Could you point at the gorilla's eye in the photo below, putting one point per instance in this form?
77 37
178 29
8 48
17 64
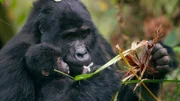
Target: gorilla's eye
84 35
70 35
86 31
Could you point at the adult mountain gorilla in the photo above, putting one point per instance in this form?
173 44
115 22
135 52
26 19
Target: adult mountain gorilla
68 26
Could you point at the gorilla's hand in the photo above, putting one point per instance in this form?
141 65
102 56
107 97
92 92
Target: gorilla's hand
161 59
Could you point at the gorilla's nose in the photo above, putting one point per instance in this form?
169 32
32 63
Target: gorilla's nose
82 55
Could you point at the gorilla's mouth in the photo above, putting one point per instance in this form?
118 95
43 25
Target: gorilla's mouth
76 60
75 66
75 69
73 61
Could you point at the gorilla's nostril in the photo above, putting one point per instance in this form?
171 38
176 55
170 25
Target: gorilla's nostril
81 55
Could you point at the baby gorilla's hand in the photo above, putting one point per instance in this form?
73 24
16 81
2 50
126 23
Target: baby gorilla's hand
62 66
43 58
161 59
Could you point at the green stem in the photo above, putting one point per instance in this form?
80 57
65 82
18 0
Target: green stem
63 74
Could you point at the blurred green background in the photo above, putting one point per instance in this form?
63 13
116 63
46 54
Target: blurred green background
119 21
129 19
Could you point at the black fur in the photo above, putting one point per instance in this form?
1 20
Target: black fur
67 25
54 23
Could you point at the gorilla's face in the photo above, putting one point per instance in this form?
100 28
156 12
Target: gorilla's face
67 24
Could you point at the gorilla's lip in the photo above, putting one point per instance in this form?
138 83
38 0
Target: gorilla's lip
76 63
77 66
72 61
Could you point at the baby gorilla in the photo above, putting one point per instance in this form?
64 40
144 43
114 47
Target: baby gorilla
41 60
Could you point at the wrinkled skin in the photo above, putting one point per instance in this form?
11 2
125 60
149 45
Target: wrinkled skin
161 59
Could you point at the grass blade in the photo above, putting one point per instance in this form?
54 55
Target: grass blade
63 74
112 61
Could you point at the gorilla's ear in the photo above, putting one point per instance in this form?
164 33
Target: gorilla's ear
41 30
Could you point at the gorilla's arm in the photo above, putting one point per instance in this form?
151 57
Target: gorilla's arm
15 83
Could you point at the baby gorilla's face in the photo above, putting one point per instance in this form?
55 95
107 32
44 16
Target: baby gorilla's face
59 65
42 59
62 66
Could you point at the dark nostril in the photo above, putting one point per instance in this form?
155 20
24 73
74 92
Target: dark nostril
81 55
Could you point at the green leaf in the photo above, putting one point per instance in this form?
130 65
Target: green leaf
171 39
1 1
176 49
115 96
83 76
63 74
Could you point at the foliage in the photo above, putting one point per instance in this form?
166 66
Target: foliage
15 12
1 1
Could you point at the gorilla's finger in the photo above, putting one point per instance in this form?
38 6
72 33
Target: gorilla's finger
160 53
164 69
163 61
156 48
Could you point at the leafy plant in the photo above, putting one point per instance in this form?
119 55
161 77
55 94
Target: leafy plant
1 1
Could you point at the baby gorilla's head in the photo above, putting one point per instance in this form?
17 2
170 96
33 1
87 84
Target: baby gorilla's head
42 59
59 65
